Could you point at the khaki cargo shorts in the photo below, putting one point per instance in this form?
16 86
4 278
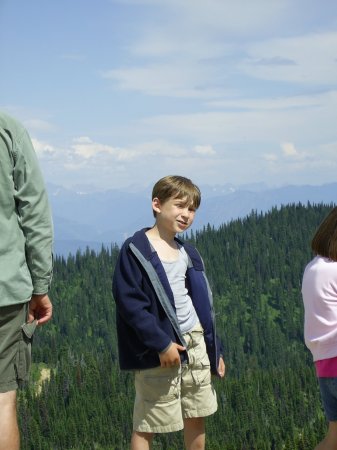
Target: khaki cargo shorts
167 396
15 346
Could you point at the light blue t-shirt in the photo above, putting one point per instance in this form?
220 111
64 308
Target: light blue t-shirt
176 274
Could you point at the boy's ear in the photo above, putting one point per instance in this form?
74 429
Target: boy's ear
156 205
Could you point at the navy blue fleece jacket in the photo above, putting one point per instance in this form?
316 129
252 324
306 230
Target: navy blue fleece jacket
145 311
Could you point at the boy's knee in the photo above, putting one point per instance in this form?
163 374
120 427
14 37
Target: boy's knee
195 423
141 440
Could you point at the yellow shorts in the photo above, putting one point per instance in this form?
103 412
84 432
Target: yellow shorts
167 396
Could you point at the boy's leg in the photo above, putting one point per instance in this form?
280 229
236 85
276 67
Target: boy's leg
194 433
197 393
141 441
9 433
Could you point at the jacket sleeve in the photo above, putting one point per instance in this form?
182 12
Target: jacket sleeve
33 213
133 305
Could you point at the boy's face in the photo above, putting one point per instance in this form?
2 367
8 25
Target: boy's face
175 214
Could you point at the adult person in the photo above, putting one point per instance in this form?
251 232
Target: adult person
25 266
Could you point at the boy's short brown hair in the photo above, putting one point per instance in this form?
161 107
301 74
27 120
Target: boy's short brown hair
324 243
176 186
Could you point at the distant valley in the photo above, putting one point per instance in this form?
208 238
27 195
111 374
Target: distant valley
90 219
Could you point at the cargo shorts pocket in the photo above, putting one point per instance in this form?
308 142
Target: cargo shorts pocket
24 354
159 387
200 370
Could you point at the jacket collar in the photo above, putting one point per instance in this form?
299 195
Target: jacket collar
140 240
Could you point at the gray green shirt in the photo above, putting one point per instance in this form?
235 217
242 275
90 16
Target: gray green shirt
26 231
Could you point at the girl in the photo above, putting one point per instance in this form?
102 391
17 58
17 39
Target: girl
319 291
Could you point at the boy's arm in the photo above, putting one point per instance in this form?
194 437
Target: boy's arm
133 304
221 367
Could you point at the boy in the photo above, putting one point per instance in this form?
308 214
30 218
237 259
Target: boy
165 321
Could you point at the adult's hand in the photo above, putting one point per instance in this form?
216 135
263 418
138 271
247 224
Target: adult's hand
40 309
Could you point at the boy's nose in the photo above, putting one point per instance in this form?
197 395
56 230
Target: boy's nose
186 213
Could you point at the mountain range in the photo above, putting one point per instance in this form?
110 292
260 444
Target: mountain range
87 218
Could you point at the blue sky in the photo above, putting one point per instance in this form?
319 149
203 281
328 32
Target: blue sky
121 92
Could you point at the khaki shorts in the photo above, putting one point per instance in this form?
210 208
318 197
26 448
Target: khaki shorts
15 346
167 396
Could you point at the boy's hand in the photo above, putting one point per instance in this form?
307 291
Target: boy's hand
171 357
221 368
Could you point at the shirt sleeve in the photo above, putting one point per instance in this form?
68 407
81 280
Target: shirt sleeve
34 213
134 306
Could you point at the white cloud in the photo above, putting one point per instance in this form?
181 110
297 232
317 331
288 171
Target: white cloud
86 148
187 79
204 150
305 120
205 67
303 166
206 44
160 148
83 140
329 149
288 149
272 157
76 167
311 59
239 17
148 161
192 55
43 149
39 125
240 91
273 103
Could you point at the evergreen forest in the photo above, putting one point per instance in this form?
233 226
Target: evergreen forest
78 398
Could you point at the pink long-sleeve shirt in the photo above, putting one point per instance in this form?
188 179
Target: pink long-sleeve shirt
319 292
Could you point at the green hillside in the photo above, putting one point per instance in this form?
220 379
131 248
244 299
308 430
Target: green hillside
269 398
